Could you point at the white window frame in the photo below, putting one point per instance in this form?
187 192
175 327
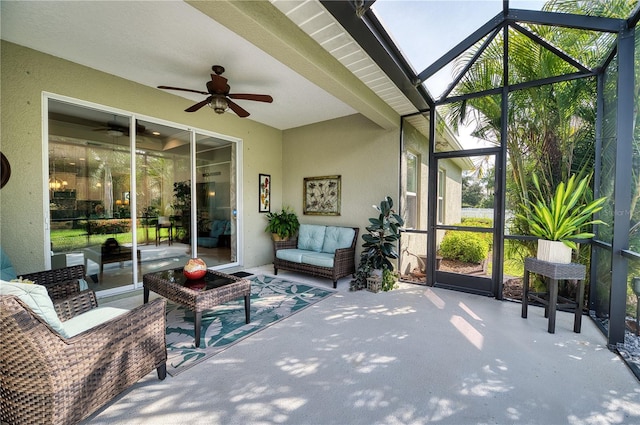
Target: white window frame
442 192
414 195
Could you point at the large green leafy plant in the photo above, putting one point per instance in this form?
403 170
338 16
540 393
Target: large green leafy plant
284 223
565 215
379 246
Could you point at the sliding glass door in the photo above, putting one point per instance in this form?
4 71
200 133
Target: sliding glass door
128 196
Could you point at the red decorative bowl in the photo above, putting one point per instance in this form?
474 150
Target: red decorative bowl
195 269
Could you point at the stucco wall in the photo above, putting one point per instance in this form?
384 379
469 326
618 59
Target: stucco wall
366 156
26 74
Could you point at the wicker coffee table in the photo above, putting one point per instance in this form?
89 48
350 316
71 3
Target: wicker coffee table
197 295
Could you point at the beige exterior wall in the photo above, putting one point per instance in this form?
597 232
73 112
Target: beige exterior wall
365 155
453 192
413 246
26 74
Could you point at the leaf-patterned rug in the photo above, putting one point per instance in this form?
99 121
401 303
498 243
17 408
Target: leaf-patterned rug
272 299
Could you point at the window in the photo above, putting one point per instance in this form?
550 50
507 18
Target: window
411 211
442 181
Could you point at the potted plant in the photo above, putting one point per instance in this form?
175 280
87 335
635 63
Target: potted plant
282 225
379 248
561 218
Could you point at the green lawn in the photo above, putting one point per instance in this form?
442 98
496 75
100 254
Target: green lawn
67 240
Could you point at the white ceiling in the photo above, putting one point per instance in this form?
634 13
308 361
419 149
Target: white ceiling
170 43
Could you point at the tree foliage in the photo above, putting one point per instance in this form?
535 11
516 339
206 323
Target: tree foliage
551 128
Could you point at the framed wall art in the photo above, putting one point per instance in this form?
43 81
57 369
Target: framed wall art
264 193
321 195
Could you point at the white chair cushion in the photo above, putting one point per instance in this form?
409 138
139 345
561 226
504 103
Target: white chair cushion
94 317
38 300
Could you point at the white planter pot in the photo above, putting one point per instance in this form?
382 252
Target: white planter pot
553 252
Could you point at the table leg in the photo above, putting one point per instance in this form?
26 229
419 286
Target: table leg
196 323
577 321
547 283
525 294
145 295
247 308
553 299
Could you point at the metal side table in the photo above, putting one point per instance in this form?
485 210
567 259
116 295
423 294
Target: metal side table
553 272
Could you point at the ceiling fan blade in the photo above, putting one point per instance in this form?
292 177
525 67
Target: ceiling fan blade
198 105
237 109
178 88
256 97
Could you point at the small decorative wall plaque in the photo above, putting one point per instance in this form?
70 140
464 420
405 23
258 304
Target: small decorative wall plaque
264 193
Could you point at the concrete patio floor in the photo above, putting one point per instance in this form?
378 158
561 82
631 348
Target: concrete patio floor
415 355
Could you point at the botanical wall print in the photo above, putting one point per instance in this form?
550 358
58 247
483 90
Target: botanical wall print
264 203
322 195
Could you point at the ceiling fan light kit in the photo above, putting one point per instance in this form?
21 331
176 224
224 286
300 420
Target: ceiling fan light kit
218 96
219 104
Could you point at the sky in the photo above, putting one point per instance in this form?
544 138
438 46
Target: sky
427 29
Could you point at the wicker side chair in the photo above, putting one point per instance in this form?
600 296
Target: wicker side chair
46 378
60 283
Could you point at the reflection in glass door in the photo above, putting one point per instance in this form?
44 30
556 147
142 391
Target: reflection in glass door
90 218
215 200
163 196
119 234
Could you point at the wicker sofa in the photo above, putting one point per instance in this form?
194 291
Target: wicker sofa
47 378
324 251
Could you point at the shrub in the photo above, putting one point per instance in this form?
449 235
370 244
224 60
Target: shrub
477 222
468 247
480 222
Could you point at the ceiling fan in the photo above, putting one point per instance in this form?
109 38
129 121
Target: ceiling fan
116 129
218 96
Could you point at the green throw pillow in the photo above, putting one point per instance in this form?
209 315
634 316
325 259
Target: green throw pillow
37 298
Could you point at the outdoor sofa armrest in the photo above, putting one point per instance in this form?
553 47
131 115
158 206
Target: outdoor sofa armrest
75 304
344 254
343 261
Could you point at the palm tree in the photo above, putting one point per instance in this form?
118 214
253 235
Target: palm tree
551 127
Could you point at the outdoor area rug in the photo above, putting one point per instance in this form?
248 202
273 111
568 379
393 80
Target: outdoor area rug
272 299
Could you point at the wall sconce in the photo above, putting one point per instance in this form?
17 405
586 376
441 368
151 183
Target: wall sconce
118 202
